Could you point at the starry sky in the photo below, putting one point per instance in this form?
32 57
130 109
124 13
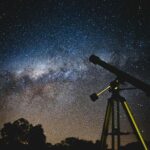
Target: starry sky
45 73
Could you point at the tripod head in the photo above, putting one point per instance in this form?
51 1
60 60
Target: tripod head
114 87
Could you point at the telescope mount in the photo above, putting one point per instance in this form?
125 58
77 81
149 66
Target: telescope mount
115 101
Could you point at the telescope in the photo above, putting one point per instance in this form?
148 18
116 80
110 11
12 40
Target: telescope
121 75
113 105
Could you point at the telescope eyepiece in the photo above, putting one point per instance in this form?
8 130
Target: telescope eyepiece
94 97
94 59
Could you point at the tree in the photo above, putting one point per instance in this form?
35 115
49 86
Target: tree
22 135
15 132
36 136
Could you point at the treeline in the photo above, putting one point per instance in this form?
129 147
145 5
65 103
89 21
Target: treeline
21 135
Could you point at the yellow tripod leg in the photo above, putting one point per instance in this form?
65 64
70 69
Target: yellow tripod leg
129 113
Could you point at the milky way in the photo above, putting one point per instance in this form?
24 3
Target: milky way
45 73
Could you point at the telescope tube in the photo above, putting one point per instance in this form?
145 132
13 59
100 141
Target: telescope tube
121 76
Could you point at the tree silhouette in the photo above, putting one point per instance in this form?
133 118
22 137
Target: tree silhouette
36 137
23 129
21 135
75 143
16 132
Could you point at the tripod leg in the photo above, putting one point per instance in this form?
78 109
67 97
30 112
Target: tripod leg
113 125
118 124
133 123
106 125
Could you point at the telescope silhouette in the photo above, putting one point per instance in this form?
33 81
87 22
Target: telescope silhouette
113 106
121 76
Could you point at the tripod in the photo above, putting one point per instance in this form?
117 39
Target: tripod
114 115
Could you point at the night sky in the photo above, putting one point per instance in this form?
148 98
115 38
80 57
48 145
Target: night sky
45 73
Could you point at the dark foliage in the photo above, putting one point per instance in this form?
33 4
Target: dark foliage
21 135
